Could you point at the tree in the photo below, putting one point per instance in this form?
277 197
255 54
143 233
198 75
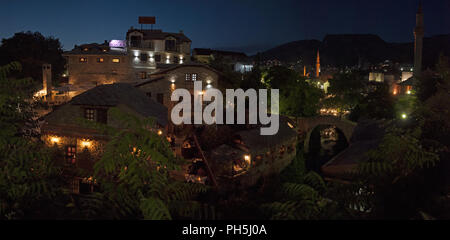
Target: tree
346 90
134 174
298 98
394 175
32 50
29 181
229 78
377 104
252 79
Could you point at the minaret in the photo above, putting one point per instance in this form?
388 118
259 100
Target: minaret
304 71
318 64
418 41
47 78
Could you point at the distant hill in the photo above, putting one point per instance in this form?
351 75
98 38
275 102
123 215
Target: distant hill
351 49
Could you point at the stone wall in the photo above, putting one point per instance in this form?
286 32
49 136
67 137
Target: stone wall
92 73
176 78
271 162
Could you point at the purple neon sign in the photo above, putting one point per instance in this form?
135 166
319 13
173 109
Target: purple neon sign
117 44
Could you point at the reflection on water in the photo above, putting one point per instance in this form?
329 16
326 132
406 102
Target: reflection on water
325 143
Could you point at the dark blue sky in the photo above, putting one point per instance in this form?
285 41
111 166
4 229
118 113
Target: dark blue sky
247 25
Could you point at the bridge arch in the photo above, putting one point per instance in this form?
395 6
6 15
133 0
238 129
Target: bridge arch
307 125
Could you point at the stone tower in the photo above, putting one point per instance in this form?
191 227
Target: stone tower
47 78
318 64
418 41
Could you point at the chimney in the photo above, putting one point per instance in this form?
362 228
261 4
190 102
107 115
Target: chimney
47 78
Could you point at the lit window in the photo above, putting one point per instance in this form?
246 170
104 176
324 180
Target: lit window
83 59
70 154
188 77
89 114
100 60
194 77
142 75
116 60
85 49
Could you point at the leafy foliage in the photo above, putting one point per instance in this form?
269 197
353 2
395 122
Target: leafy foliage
28 178
346 91
32 50
298 98
377 104
134 173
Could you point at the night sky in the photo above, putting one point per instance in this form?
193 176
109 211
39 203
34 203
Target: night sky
246 25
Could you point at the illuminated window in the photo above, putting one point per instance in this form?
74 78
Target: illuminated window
85 49
100 60
191 76
116 60
83 59
89 114
142 75
70 154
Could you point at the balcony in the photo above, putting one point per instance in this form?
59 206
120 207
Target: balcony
142 45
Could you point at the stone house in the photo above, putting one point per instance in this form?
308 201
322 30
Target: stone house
83 145
150 50
161 84
251 156
95 64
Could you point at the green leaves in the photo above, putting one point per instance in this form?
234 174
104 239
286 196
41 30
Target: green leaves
134 172
28 176
154 209
398 155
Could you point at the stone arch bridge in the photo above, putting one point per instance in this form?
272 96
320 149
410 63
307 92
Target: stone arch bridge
305 126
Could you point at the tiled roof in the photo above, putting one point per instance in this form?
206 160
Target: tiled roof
158 34
175 66
123 93
94 49
367 136
253 139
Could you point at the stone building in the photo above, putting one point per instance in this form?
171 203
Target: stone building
252 156
142 53
150 50
159 86
83 145
94 64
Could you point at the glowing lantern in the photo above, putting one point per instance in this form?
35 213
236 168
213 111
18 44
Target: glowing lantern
55 139
247 158
404 116
160 132
85 143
